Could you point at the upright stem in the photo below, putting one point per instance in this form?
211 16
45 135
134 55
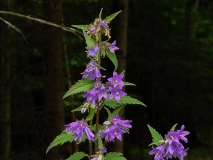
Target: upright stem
90 143
96 129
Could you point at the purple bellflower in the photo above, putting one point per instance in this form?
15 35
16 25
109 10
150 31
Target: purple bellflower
92 72
115 128
78 129
97 93
92 51
104 24
172 147
112 47
116 93
116 80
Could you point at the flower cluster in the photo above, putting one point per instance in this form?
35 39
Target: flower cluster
115 127
112 89
171 146
78 129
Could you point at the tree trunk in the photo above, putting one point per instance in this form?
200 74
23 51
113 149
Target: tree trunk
5 86
54 74
121 39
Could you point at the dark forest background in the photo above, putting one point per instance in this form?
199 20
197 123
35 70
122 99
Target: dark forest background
169 57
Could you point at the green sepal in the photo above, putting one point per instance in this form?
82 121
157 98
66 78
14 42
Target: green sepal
78 156
129 84
114 156
83 27
89 41
156 137
82 85
100 143
77 109
173 127
112 57
60 139
111 17
100 14
91 114
123 100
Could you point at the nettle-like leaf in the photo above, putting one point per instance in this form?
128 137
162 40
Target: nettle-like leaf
83 27
117 110
100 143
100 127
114 156
108 111
156 137
82 85
91 115
60 139
173 127
89 41
112 57
124 100
77 109
111 17
78 156
129 84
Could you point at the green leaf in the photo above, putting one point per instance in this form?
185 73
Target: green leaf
129 84
77 156
156 137
173 127
83 27
112 57
100 14
93 128
114 156
60 139
91 114
111 17
89 41
108 111
117 110
77 109
124 100
82 85
100 143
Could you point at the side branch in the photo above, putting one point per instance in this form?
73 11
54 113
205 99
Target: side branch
69 29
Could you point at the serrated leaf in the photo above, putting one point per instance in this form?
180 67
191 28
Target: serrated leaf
114 156
82 85
156 137
91 115
117 110
173 127
100 14
83 27
123 100
77 109
100 127
112 57
108 111
60 139
129 84
111 17
100 143
89 41
77 156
